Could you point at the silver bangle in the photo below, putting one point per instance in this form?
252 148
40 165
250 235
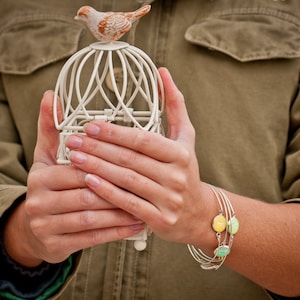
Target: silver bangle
226 225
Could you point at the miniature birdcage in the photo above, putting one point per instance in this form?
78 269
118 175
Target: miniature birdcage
89 88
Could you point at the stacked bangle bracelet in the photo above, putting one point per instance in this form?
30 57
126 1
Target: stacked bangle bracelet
226 225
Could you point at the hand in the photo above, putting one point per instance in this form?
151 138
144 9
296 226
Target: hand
150 176
60 215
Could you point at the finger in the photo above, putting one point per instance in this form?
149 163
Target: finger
74 242
125 178
87 220
179 125
148 143
57 178
123 199
127 158
48 136
71 201
164 213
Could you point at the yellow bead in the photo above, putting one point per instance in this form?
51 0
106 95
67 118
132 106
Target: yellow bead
219 223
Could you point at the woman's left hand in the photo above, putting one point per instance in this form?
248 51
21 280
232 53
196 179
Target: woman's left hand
152 177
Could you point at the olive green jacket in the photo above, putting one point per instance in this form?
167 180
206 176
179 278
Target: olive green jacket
237 64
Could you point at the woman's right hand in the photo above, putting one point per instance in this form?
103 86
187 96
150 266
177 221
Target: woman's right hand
60 214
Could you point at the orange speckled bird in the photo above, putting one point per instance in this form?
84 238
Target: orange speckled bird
109 26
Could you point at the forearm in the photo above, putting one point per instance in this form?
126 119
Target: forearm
266 247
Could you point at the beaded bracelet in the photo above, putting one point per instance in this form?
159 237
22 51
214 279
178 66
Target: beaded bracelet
224 224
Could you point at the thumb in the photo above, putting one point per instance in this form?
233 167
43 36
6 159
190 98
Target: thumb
179 124
48 136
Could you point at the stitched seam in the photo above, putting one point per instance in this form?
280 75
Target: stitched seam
119 271
260 55
260 11
86 291
35 18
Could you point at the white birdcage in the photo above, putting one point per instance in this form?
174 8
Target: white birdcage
120 98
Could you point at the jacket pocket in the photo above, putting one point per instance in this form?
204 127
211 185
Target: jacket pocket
32 42
249 34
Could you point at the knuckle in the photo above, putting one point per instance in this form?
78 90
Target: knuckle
96 237
129 178
39 228
178 181
120 232
36 227
109 193
109 132
131 204
184 157
31 206
175 201
170 219
127 157
95 165
121 216
79 176
86 197
37 178
52 246
86 219
91 145
142 139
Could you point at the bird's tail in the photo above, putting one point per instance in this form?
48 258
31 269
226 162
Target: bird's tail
141 12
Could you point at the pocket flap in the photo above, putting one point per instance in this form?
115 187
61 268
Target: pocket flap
33 42
249 34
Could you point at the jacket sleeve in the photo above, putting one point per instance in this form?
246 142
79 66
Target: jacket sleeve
13 173
17 133
15 280
291 175
29 283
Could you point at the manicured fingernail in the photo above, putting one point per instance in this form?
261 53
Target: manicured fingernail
77 157
74 142
137 227
92 180
48 92
92 129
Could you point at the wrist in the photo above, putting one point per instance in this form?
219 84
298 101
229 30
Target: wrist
204 237
15 239
225 225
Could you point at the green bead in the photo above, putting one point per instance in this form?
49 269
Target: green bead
222 251
233 225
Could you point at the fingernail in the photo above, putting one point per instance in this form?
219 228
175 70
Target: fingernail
137 227
47 92
77 157
92 129
92 180
74 142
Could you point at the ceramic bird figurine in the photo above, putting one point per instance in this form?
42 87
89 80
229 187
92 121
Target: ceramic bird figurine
109 26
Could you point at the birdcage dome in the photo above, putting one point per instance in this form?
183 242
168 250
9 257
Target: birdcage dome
88 89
